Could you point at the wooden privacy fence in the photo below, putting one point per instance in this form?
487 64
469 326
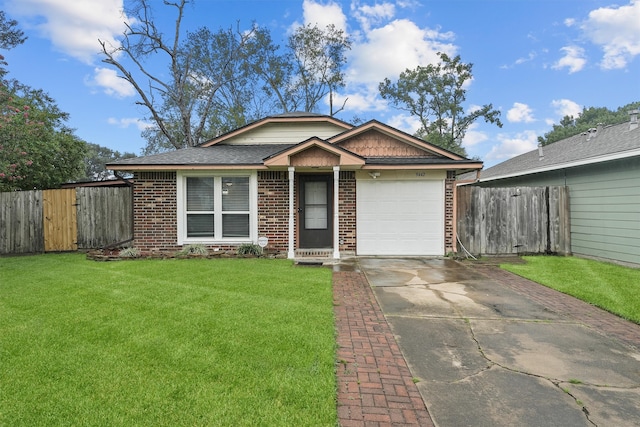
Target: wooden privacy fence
65 219
517 220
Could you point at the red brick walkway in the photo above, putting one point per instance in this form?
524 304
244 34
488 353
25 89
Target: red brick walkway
375 386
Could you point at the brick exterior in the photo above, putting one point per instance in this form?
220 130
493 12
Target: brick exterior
273 209
154 212
347 211
449 216
155 221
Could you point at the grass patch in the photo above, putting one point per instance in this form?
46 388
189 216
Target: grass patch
226 342
609 286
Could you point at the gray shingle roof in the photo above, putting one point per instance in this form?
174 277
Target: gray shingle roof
216 155
615 141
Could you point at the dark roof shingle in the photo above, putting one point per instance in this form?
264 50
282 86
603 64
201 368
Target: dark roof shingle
611 141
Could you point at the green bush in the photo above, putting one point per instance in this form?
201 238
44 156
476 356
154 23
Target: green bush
129 253
195 249
249 249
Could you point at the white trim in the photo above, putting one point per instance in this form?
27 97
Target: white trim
336 213
583 162
291 252
181 197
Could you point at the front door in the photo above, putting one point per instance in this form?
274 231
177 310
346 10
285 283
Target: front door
315 211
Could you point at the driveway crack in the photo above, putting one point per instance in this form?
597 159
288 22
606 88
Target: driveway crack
556 382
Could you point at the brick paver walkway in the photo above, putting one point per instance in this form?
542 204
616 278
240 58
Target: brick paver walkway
375 386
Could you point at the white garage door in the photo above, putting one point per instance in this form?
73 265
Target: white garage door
400 217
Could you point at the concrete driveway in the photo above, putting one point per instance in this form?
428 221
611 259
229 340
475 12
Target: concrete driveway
487 355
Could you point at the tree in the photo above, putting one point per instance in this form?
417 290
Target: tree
589 118
10 37
435 94
37 149
180 104
219 81
96 158
319 57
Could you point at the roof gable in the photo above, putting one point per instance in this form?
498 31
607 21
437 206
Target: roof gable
282 129
314 152
375 139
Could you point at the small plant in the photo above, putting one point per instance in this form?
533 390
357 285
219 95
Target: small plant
129 253
195 249
574 381
415 380
249 249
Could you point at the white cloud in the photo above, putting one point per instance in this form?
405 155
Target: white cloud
74 27
362 99
368 15
394 47
617 31
566 107
108 80
511 146
520 113
573 59
125 123
316 13
404 122
473 136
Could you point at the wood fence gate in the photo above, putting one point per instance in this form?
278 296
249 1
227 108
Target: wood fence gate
60 223
65 219
517 220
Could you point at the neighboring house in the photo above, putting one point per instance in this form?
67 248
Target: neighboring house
601 168
311 184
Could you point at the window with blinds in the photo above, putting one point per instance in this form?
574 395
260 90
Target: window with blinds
235 206
217 207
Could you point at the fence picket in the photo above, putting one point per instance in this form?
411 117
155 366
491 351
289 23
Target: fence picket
103 216
515 220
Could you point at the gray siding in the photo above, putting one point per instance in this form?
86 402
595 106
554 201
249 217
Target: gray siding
605 206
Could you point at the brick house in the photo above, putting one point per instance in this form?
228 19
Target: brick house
312 185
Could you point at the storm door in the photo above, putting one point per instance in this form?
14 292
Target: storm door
315 211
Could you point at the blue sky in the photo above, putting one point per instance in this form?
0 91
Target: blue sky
534 60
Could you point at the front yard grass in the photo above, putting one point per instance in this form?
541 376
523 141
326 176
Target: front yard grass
225 342
609 286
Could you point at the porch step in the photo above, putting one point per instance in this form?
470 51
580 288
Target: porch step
314 253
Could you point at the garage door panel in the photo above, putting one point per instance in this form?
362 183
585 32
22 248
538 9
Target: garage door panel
400 217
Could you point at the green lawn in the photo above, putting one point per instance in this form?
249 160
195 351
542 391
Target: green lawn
608 286
190 342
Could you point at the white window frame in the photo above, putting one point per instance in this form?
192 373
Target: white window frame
181 206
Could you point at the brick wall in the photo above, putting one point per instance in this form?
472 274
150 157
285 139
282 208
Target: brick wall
155 222
154 212
449 238
273 209
347 211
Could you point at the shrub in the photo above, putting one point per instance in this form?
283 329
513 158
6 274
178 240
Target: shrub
196 249
129 253
249 249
